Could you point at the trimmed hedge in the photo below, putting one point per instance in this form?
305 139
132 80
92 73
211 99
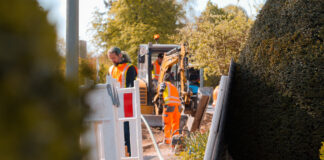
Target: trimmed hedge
39 114
277 102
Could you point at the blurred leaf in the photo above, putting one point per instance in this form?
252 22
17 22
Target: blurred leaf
41 114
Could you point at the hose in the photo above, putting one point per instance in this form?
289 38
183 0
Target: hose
152 137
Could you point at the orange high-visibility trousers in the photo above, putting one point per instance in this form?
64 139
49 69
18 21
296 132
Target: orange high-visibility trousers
171 118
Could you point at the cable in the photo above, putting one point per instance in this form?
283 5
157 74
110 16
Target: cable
152 137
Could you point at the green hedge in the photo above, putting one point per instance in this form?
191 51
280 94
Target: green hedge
39 115
277 102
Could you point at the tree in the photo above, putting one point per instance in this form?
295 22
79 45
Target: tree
129 23
217 36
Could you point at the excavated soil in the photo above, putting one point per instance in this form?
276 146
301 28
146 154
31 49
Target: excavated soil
149 152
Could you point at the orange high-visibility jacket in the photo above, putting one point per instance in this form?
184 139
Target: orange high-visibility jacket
119 73
156 70
215 94
171 95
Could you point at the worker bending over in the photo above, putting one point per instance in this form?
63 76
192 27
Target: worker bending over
171 108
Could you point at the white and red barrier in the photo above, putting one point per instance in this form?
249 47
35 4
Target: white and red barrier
110 107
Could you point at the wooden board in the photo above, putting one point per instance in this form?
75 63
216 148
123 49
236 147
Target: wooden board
202 105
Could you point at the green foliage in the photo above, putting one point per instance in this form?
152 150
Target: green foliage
86 71
195 146
216 38
133 22
276 109
39 117
103 73
212 80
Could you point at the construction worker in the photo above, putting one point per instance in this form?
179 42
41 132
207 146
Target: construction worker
125 73
215 94
171 108
156 67
122 70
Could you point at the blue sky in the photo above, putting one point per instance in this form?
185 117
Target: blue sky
57 12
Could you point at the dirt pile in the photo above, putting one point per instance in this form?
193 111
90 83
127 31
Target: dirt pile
148 148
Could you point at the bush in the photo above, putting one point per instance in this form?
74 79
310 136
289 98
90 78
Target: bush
39 115
86 71
276 109
195 146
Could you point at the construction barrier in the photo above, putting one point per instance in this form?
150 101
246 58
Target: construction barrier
215 143
111 106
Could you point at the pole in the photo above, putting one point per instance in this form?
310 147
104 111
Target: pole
201 74
149 66
72 39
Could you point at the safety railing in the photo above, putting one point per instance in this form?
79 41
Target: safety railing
110 107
